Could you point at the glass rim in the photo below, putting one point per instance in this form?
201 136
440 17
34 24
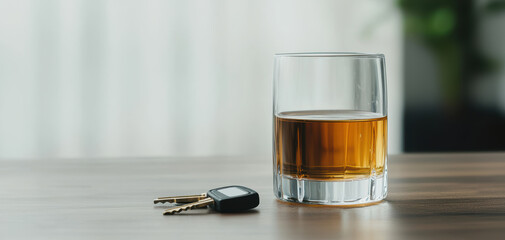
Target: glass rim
331 54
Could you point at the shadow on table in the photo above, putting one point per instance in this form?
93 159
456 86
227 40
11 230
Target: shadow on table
204 211
297 221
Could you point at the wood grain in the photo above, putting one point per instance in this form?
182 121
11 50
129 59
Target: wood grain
436 196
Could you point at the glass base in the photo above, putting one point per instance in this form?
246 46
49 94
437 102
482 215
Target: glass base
339 193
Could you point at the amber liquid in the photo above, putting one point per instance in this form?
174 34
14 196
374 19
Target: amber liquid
330 145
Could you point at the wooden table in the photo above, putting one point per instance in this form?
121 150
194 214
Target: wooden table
453 196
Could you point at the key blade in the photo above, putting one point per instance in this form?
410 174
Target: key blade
180 199
202 203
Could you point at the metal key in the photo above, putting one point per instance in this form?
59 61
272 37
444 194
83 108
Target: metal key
224 199
180 199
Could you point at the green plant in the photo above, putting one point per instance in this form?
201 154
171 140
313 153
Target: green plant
448 29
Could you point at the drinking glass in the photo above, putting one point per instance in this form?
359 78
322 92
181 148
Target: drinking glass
330 128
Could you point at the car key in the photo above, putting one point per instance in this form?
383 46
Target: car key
180 199
224 199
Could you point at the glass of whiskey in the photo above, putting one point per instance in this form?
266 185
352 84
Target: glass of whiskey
330 128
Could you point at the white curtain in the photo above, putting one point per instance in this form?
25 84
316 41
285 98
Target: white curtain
107 78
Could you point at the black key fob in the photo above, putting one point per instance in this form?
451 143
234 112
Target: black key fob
233 198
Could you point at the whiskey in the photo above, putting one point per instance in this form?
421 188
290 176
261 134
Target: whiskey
330 145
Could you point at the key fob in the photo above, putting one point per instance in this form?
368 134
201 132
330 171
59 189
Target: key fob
233 198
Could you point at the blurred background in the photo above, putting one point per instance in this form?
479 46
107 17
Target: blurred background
454 75
129 78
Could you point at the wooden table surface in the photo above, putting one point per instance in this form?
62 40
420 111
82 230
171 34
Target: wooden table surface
434 196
